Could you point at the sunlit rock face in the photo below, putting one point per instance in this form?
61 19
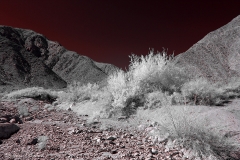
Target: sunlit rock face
28 59
217 55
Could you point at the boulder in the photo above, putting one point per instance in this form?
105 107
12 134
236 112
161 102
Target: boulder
7 129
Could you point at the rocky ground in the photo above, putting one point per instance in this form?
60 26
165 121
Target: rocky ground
39 131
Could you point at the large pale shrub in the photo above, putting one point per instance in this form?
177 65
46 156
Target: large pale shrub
153 72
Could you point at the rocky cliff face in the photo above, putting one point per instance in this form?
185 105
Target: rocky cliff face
28 58
217 55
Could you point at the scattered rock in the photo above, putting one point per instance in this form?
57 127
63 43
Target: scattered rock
7 129
73 130
28 118
13 120
18 141
111 138
154 151
114 151
122 118
55 103
33 141
3 120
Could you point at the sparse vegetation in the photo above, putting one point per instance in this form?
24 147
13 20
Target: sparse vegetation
153 89
42 141
34 92
23 111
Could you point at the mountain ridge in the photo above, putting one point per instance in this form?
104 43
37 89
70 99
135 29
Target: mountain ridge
216 56
34 60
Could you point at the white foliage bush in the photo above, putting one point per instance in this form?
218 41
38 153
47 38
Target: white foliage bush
153 72
77 92
42 141
200 91
157 99
125 84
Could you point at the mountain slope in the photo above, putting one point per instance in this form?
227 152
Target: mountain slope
28 58
217 55
19 67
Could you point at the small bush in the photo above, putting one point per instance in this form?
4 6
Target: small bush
23 111
170 79
34 92
77 92
202 92
157 99
42 141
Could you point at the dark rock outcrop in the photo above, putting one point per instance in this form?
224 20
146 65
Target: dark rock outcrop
28 59
7 129
216 56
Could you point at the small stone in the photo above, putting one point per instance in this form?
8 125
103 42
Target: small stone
114 151
98 140
122 146
141 147
7 129
166 149
28 118
3 120
139 143
55 103
136 154
13 120
111 138
122 117
18 141
154 151
33 142
141 127
149 155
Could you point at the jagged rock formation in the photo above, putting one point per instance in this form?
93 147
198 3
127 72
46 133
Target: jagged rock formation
20 66
216 56
28 58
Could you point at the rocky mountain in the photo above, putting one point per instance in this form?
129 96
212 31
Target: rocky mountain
216 56
28 58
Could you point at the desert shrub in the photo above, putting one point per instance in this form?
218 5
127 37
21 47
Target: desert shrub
157 99
42 141
202 92
175 125
119 88
170 79
233 85
23 111
154 72
78 92
34 92
131 105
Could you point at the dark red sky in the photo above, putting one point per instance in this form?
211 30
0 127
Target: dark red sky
110 30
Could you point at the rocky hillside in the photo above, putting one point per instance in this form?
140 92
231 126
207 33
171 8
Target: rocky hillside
28 58
217 55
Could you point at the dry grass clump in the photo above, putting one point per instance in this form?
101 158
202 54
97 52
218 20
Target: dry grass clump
77 92
34 92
